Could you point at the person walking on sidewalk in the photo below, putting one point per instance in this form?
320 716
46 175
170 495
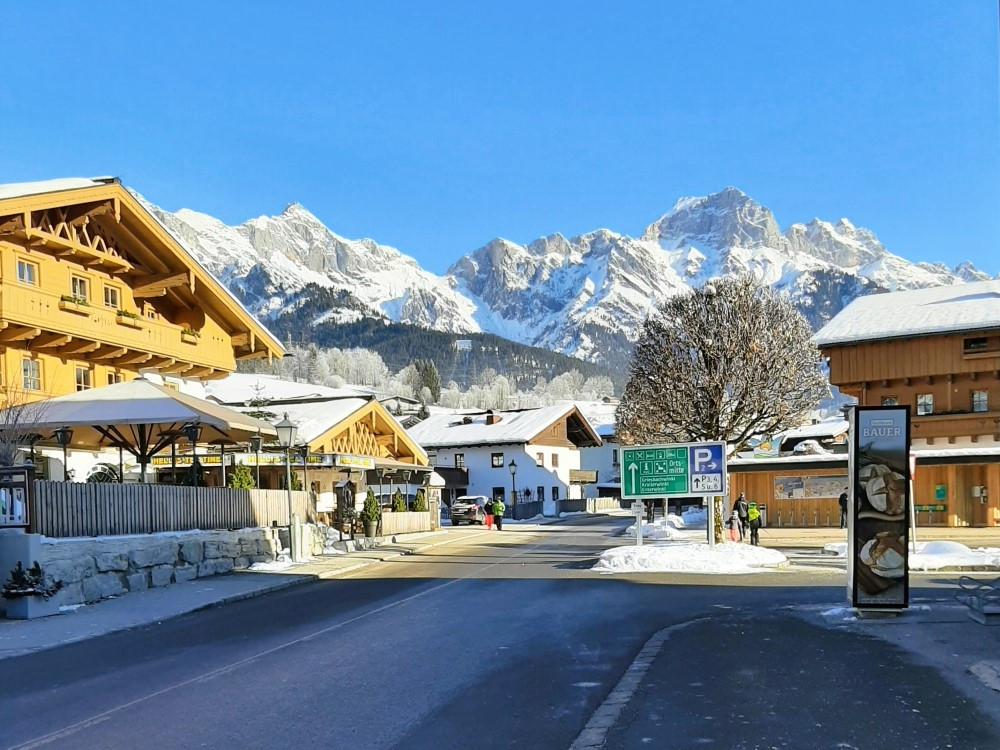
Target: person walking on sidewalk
488 514
498 510
842 501
740 509
753 514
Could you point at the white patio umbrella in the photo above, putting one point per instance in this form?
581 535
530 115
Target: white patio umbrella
139 416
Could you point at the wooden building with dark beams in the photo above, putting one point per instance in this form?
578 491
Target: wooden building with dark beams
938 351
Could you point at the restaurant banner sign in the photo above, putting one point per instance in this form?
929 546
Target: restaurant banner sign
878 533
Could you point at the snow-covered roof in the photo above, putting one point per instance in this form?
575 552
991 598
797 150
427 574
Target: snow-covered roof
826 428
796 459
601 416
985 452
19 189
239 388
513 427
313 418
918 312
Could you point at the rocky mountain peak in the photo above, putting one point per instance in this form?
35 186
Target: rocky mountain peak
729 218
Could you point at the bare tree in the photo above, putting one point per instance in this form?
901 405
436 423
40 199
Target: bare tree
20 417
727 361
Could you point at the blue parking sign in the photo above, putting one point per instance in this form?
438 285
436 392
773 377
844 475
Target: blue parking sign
707 468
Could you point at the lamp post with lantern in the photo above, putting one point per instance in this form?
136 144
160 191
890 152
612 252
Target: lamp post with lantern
286 430
64 435
513 489
256 442
192 431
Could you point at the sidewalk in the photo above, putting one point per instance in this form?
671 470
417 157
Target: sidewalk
773 536
814 675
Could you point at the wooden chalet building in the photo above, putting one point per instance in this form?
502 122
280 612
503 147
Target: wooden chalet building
938 351
94 290
348 440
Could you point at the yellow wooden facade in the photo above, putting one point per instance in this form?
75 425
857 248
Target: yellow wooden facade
93 289
370 431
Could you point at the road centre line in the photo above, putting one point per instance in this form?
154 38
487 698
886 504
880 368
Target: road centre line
106 714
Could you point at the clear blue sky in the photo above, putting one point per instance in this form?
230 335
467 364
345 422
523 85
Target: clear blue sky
437 128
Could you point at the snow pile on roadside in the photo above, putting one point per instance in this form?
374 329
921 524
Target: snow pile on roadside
675 521
694 518
655 530
568 513
271 567
689 557
938 555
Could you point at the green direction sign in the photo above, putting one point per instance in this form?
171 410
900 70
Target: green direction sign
674 470
654 471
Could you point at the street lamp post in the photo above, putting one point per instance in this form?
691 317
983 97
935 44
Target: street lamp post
406 487
286 438
304 452
256 441
64 435
192 431
513 489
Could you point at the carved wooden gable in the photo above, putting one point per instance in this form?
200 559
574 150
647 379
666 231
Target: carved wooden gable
359 439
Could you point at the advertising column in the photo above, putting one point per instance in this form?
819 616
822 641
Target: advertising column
879 520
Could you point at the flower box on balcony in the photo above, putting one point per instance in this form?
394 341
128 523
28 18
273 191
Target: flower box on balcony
190 336
74 304
126 318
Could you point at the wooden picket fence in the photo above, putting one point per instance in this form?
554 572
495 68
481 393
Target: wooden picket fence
69 509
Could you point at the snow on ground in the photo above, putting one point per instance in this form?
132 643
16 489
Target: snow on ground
728 558
273 566
937 555
940 554
688 526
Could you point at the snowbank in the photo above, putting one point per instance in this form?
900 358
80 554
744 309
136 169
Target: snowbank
939 555
689 557
655 531
694 518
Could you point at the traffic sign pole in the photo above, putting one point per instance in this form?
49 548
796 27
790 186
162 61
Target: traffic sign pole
638 510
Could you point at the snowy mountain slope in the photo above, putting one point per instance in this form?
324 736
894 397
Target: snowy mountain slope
585 296
269 259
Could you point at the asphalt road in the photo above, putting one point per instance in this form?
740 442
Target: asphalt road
494 641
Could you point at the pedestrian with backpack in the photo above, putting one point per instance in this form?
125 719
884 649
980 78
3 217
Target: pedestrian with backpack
498 510
740 509
753 516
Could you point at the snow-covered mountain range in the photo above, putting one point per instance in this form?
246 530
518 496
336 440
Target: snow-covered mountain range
585 296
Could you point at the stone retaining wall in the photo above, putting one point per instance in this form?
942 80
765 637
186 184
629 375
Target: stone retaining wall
94 569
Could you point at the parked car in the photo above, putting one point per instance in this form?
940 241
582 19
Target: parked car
471 508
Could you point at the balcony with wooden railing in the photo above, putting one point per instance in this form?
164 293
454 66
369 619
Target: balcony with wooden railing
63 325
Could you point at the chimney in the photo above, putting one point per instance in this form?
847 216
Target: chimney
491 418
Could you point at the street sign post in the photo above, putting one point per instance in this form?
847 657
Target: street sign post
638 510
674 470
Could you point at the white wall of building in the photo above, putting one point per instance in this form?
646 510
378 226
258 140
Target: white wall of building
483 476
603 459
